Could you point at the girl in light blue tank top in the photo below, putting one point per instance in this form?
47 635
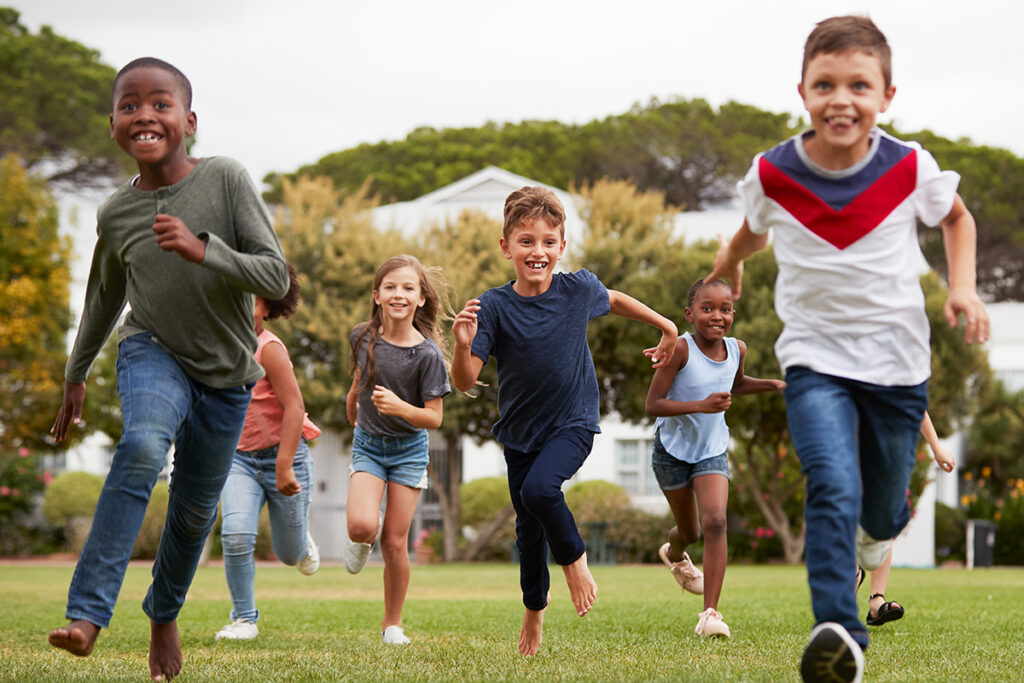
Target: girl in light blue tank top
689 397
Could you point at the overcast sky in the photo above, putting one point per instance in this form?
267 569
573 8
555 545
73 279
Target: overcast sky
281 83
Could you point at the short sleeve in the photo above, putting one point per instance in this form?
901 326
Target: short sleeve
755 204
936 189
434 376
595 293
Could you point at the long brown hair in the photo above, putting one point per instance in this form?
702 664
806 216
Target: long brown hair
427 319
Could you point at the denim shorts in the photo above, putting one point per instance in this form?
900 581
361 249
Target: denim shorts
401 459
673 473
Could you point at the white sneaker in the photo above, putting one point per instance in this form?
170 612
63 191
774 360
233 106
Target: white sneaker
686 575
311 562
239 629
832 656
355 554
711 624
871 554
394 635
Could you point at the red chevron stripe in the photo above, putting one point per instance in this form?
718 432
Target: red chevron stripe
856 219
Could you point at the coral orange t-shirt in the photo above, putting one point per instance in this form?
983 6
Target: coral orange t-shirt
263 420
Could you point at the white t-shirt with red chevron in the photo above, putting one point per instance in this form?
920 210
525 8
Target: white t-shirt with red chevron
848 290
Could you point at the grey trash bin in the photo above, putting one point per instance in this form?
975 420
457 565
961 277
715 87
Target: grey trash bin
981 542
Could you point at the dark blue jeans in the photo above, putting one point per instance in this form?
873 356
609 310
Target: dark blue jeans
161 405
856 444
542 518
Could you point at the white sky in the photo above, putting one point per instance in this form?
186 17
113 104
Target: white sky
281 83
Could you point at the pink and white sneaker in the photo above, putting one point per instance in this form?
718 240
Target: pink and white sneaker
711 625
686 575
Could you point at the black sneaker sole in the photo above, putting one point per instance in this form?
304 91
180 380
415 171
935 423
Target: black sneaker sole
831 656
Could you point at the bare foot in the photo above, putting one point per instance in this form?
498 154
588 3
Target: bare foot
78 637
164 651
533 630
582 587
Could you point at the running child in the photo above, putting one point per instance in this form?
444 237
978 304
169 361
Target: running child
399 380
272 466
535 327
689 396
880 610
186 243
843 200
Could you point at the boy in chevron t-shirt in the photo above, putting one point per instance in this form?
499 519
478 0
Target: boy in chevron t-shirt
843 201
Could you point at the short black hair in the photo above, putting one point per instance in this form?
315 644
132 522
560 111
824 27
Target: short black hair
286 305
179 78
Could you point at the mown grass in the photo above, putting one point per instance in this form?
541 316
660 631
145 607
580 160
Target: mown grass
464 622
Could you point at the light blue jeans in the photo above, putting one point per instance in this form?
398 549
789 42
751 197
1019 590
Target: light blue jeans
250 485
161 405
856 444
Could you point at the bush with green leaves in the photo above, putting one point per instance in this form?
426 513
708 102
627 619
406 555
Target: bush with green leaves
482 499
949 533
70 495
1009 548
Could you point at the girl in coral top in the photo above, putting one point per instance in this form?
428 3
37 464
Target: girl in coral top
273 467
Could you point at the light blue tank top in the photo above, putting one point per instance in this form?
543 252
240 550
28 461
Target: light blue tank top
698 436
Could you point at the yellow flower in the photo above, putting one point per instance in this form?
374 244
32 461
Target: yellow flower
986 470
968 476
965 500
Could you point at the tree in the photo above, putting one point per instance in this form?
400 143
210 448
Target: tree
990 184
34 320
55 106
467 250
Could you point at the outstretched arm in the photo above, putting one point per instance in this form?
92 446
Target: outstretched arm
465 366
730 257
942 455
627 307
286 390
959 237
744 384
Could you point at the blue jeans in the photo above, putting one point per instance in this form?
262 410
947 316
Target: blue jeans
856 444
161 405
250 484
542 518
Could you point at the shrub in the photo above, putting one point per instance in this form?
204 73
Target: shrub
1009 548
596 500
949 534
482 499
70 495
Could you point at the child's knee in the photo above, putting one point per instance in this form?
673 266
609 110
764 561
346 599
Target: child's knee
394 546
714 524
538 495
144 455
238 544
363 530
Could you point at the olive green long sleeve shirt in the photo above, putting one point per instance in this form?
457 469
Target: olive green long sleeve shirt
201 313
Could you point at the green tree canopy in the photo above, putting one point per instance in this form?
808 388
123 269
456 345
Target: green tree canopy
55 106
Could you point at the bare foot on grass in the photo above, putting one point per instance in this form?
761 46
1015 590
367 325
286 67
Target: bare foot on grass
78 637
532 632
164 651
582 587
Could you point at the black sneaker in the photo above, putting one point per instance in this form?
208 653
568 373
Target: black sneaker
832 656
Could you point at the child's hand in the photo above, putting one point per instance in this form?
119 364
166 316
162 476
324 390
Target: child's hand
464 327
717 402
778 384
968 302
944 458
386 402
286 482
727 269
173 235
70 409
663 352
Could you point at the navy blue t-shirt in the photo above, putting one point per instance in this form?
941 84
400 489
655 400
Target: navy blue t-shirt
546 377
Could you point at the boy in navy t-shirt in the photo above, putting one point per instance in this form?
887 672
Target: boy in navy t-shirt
535 327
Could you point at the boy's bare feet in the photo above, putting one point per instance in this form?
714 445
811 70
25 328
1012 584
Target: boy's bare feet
533 630
582 587
164 651
78 637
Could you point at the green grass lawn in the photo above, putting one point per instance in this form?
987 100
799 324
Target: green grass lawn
464 624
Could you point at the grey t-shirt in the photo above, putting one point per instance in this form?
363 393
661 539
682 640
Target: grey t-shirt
416 374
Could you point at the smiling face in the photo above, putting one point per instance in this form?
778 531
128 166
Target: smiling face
399 295
151 119
534 247
711 312
843 92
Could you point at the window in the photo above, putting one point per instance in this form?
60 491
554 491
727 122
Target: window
633 467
